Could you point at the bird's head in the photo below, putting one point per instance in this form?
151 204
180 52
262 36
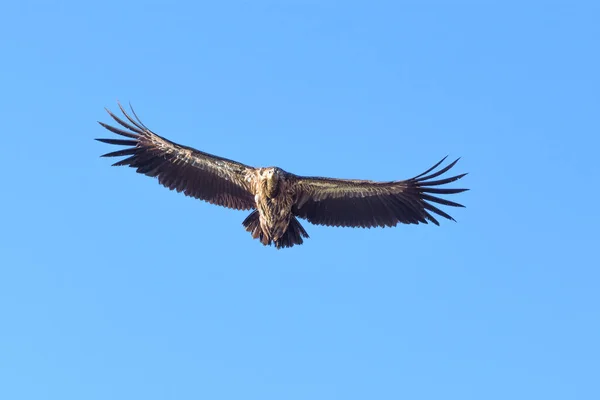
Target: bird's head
271 176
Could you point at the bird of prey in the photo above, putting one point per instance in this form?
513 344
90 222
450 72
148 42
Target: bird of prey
278 198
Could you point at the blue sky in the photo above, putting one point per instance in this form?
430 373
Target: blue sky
112 287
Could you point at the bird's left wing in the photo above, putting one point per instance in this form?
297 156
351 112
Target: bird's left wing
201 175
362 203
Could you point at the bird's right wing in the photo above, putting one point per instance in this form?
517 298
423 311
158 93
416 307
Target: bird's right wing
201 175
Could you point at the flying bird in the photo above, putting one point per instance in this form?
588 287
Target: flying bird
278 198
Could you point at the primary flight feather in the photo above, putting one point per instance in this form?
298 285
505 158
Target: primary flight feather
276 197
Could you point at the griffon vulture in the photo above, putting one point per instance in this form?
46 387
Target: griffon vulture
276 197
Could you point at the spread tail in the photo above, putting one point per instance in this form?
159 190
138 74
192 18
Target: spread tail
292 236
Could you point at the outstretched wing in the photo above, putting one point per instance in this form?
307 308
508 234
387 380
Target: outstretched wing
360 203
203 176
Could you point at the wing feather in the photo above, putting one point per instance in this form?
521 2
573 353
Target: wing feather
197 174
362 203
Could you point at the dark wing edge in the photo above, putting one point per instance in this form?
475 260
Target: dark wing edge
366 204
197 174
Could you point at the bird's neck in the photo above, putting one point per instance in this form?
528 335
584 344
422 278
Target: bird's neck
271 187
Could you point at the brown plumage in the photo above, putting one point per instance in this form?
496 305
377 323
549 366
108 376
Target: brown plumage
277 197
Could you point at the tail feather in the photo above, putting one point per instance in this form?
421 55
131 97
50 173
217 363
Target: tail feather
252 225
291 237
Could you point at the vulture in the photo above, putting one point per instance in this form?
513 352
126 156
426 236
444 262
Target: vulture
278 198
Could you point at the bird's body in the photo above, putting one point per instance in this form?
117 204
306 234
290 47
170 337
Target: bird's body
277 197
273 198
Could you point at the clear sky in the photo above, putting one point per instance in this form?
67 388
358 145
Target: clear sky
113 287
